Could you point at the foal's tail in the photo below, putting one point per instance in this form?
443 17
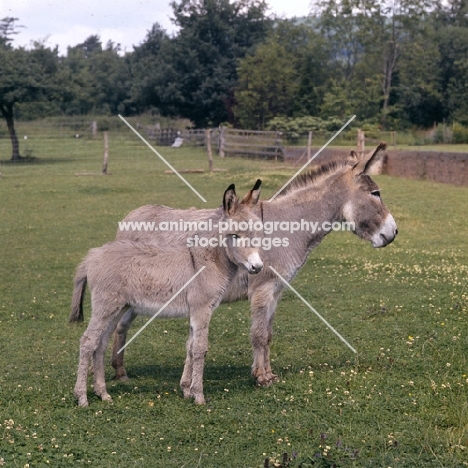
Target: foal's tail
81 274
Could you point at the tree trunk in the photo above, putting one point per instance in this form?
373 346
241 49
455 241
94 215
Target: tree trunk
390 60
389 70
7 112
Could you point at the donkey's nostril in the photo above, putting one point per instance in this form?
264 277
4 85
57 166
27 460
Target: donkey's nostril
396 232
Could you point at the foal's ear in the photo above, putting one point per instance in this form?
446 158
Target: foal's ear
252 196
352 158
230 200
364 164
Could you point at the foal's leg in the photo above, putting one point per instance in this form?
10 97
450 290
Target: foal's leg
263 302
272 378
120 337
199 323
89 342
186 380
98 358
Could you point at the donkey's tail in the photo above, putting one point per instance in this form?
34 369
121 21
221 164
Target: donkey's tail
81 274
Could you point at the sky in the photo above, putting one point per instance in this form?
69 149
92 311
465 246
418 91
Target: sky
125 22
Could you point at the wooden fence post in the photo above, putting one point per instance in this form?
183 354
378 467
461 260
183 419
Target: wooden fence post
208 148
361 143
222 142
277 145
106 154
309 145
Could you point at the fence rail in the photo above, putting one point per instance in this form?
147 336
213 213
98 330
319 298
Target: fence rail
234 142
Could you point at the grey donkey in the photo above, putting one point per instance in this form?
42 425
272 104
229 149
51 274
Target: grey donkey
339 192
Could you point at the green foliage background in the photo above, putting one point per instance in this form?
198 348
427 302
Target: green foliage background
400 402
394 64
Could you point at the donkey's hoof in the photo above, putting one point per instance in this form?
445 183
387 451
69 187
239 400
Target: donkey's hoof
121 378
186 392
106 397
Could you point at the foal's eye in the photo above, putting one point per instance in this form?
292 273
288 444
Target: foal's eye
376 193
235 236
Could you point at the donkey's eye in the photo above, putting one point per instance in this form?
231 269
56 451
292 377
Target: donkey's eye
235 236
376 193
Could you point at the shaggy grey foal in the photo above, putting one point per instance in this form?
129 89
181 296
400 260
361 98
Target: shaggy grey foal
124 273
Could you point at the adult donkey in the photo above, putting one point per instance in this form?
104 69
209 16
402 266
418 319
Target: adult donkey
336 192
145 277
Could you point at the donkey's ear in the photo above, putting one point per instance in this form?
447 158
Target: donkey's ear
252 196
230 200
364 164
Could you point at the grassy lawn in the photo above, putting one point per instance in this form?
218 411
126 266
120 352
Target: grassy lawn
402 401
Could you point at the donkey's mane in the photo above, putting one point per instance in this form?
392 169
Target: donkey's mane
312 177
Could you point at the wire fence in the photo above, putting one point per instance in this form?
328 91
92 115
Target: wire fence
36 137
155 127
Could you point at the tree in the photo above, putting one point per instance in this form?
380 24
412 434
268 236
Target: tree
153 78
214 35
95 79
7 30
267 86
376 43
452 34
309 54
25 76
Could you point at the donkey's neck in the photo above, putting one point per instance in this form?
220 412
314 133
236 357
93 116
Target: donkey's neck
316 205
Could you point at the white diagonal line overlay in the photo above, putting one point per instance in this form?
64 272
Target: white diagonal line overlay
314 311
161 309
157 153
313 157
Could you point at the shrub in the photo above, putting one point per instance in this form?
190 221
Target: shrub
460 133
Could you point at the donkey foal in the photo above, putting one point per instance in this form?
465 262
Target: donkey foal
124 273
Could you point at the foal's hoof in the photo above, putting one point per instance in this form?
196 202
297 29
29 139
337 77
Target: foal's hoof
263 381
273 378
106 397
83 402
200 400
186 392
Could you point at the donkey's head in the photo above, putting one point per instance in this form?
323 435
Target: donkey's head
241 239
365 208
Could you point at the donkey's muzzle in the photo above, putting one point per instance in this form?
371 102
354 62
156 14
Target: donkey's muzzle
386 234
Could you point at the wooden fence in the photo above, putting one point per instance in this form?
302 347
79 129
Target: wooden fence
167 136
251 143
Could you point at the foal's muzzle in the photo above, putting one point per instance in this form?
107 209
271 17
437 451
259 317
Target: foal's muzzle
254 264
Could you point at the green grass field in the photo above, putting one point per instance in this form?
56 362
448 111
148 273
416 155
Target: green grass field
401 402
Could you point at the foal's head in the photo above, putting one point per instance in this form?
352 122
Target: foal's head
242 240
365 208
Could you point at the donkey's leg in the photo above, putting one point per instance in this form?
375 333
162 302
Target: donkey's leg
186 380
88 345
120 337
199 324
263 302
98 358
